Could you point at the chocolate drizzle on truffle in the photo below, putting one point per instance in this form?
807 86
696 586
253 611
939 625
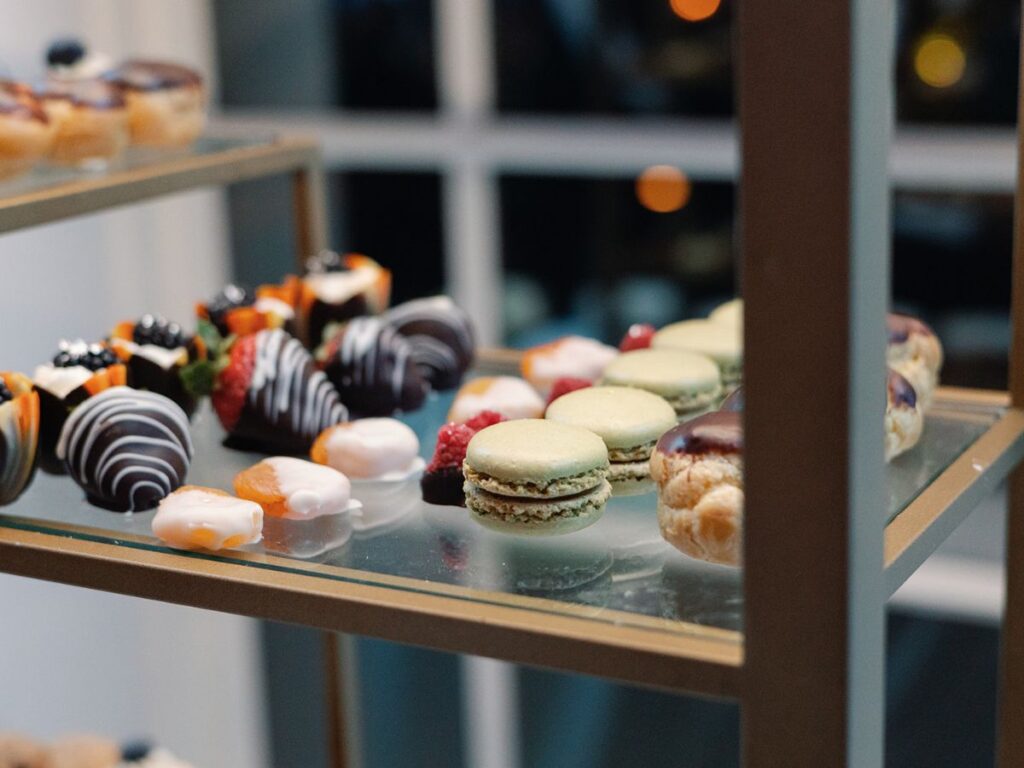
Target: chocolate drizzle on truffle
901 392
441 337
716 432
901 327
373 368
127 449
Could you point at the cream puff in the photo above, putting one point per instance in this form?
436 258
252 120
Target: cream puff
90 120
915 352
904 418
166 102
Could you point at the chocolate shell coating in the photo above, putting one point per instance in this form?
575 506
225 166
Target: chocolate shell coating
373 370
441 336
126 448
716 432
444 487
19 437
322 314
289 402
143 373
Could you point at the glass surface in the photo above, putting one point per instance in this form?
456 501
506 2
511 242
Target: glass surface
45 176
618 571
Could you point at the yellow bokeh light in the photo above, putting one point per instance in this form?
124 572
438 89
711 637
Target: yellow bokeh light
663 189
939 61
695 10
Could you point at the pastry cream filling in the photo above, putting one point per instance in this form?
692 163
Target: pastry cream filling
558 487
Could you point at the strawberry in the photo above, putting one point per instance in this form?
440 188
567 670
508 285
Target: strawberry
565 386
638 336
232 385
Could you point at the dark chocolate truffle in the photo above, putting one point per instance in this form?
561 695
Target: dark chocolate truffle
373 369
441 336
127 449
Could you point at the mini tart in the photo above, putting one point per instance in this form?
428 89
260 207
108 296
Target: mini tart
19 436
571 356
536 476
360 287
628 420
512 397
722 342
166 102
272 307
688 381
379 449
90 120
61 390
155 368
295 489
698 467
194 517
26 133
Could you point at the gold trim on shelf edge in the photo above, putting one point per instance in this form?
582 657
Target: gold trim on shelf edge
706 665
121 187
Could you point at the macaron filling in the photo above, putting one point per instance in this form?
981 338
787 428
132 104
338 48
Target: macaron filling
535 489
527 512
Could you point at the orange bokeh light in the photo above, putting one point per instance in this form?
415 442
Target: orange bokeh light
663 189
695 10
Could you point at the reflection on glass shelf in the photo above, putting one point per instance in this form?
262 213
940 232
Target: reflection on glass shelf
46 176
618 570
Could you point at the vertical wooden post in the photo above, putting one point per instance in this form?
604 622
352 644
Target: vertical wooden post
309 212
1011 695
814 84
335 701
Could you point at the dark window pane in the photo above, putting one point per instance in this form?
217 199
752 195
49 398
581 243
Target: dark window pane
358 54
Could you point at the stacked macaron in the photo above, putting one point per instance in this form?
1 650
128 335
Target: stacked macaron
690 382
533 476
628 420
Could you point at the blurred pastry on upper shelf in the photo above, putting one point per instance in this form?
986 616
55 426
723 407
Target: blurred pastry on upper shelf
26 133
166 102
89 118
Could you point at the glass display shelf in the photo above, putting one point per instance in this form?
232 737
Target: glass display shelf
615 583
50 193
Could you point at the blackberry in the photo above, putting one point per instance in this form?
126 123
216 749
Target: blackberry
231 297
95 357
325 261
65 53
5 393
135 751
159 332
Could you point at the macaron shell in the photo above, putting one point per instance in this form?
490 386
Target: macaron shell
730 313
538 517
670 373
535 450
719 341
623 417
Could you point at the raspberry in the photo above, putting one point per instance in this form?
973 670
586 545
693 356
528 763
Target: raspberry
452 440
565 386
484 419
228 397
638 336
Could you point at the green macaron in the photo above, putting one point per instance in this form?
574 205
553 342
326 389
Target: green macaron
722 342
688 381
534 476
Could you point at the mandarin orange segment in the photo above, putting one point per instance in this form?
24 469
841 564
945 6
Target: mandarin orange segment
318 452
124 331
203 537
245 320
202 312
259 483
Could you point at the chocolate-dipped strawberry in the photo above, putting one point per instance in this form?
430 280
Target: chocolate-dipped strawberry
372 368
441 336
337 288
267 392
238 310
19 434
126 448
155 352
78 371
